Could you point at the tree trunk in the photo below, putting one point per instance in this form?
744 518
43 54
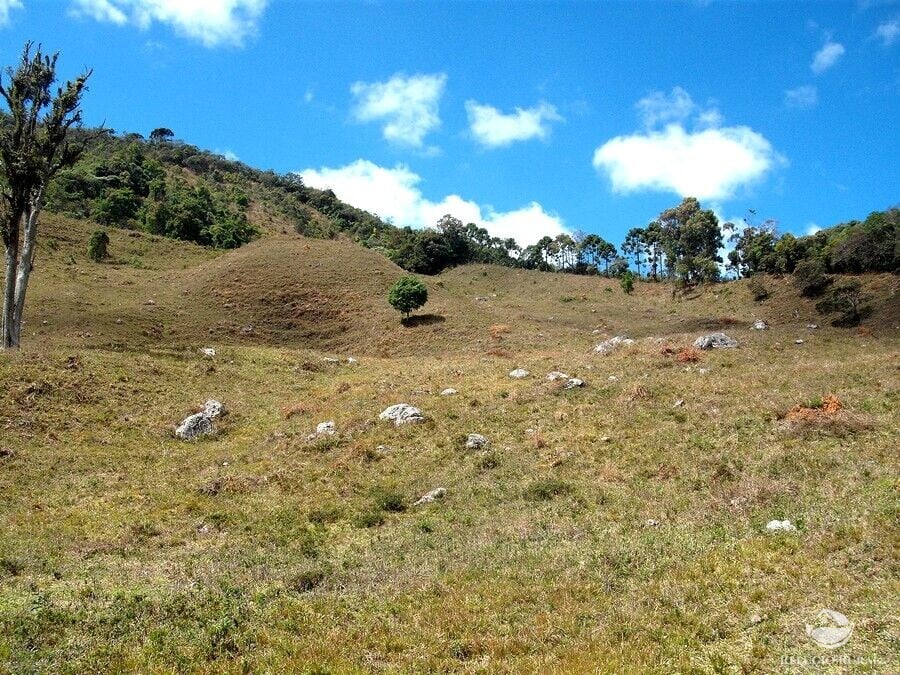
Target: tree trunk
9 294
26 263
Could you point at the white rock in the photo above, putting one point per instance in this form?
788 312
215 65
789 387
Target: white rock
331 359
351 361
834 630
703 371
759 324
325 428
449 391
652 523
556 375
437 493
402 413
715 341
194 426
519 374
607 346
476 442
679 403
612 378
605 439
212 408
208 352
574 383
780 526
812 326
798 341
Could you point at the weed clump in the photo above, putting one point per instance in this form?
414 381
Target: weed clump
545 489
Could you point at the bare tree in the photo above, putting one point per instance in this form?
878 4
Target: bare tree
33 149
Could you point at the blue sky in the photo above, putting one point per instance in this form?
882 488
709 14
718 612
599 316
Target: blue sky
528 118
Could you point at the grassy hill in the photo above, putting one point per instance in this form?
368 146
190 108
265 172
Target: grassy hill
262 549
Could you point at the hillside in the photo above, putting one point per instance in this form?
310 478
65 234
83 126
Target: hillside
616 527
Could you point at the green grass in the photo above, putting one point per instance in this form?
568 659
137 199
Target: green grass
124 549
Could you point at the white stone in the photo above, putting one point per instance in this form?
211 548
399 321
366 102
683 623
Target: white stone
607 346
780 526
351 361
759 324
402 413
715 341
556 375
812 326
437 493
574 383
798 341
194 426
476 442
652 523
449 391
679 403
208 352
325 428
519 374
612 378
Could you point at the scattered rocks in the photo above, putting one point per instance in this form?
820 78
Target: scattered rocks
201 423
449 391
402 413
833 629
573 383
476 442
519 374
556 375
781 526
715 341
759 324
208 352
607 346
429 498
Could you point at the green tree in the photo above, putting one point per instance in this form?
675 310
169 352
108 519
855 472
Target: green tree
407 294
635 245
161 134
847 300
33 149
810 278
98 246
627 281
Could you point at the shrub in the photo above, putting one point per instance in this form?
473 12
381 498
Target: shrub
390 501
98 245
407 294
848 301
809 277
627 281
757 289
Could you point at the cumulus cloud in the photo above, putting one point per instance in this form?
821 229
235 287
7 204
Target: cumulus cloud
887 32
212 22
394 193
826 57
408 106
805 96
494 129
708 162
6 8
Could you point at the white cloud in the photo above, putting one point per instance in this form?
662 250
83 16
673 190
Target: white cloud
407 105
707 164
659 108
212 22
812 228
827 56
805 96
395 194
888 32
494 129
6 8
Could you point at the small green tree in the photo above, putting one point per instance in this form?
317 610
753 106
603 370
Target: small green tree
627 281
407 294
98 245
810 278
757 288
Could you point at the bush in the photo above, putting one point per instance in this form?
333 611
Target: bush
627 281
848 301
98 246
810 278
407 294
757 289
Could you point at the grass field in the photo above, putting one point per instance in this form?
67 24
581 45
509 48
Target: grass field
262 550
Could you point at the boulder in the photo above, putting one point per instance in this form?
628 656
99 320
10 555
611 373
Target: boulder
437 493
573 383
519 374
715 341
194 426
476 442
607 346
759 324
325 428
402 413
212 408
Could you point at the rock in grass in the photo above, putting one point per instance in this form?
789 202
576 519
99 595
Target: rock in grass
402 413
574 383
556 375
715 341
201 423
434 495
519 374
781 526
325 428
449 391
607 346
476 442
208 352
759 324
